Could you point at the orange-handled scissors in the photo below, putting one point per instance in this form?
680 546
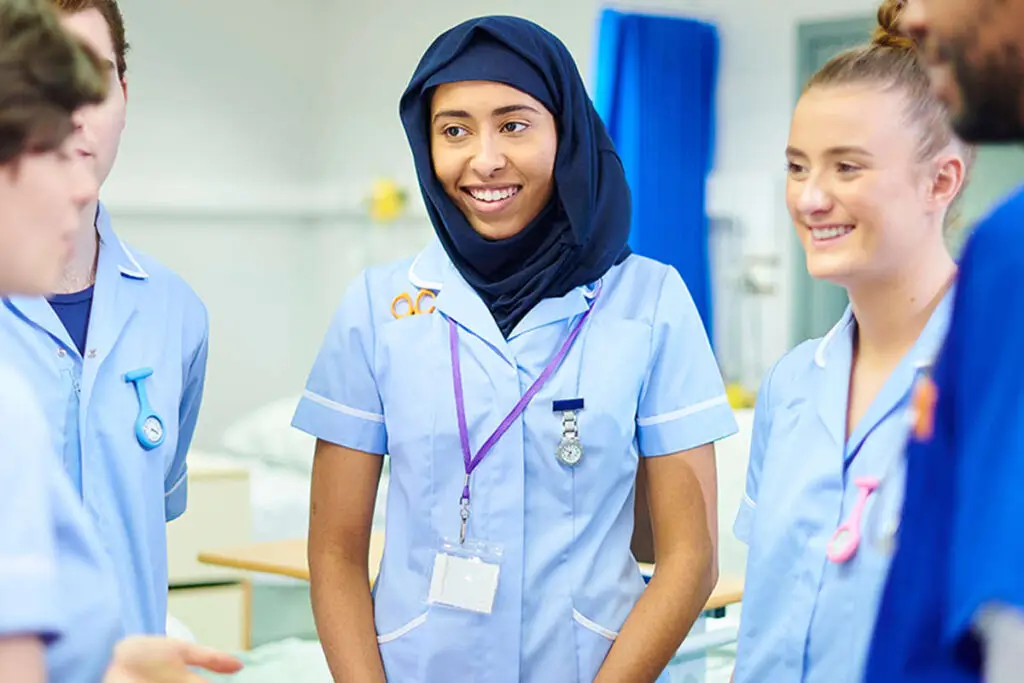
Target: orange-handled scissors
404 305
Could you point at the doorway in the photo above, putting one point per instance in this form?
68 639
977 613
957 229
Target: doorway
818 305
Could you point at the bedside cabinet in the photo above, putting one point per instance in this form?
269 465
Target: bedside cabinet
214 603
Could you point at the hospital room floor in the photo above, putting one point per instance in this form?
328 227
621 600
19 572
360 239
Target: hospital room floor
285 646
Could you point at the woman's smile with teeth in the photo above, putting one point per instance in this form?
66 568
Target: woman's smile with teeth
828 232
492 194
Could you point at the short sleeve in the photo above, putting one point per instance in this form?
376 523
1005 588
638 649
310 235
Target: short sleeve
983 381
341 403
29 592
682 403
744 524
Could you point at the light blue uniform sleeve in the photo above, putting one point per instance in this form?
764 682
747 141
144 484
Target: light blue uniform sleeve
29 592
176 481
683 403
341 403
744 524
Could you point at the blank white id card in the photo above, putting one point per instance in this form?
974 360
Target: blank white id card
466 576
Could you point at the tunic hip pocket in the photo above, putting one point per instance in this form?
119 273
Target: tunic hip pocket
593 642
401 651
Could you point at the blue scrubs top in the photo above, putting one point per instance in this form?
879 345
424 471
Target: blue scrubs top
805 618
143 316
55 580
651 387
960 545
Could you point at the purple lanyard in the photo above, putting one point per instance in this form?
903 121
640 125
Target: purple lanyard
468 458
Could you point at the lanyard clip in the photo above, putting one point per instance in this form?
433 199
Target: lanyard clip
464 510
465 518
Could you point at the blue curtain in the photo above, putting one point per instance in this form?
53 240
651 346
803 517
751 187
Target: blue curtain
655 91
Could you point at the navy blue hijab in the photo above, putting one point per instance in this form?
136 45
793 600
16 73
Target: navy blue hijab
584 230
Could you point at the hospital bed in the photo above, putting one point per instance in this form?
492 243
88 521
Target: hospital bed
275 463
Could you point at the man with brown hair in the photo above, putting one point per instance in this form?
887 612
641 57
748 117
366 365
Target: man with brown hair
44 78
59 618
117 355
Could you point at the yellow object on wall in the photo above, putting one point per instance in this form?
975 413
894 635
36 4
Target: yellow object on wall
387 200
739 396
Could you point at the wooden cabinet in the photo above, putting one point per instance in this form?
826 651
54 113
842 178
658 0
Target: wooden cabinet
213 603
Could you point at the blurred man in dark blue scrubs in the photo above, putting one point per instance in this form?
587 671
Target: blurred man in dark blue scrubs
953 607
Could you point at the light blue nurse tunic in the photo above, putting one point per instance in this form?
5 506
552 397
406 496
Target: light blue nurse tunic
805 618
143 316
55 580
650 384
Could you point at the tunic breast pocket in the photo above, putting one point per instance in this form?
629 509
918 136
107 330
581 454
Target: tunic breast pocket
138 396
409 375
611 361
614 358
410 372
801 474
794 436
131 432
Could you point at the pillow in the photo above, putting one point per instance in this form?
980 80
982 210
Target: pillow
266 435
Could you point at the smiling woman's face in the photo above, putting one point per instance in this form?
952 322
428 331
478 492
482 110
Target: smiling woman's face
856 193
493 149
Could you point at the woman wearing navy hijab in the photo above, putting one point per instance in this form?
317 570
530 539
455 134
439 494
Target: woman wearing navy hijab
517 372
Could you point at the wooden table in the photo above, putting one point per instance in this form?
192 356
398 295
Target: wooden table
288 558
283 558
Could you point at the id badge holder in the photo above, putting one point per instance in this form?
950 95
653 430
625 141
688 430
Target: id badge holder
466 576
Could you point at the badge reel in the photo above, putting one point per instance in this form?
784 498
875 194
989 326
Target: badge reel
466 571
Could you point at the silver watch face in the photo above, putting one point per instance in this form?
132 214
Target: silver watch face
570 451
152 429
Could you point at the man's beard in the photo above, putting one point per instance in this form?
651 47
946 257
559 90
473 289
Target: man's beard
991 96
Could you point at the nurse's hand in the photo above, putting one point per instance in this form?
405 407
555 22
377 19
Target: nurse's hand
147 659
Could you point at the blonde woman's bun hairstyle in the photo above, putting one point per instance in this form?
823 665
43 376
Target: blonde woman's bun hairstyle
891 62
887 33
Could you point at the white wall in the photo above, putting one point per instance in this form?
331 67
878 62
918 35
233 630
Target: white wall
255 126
